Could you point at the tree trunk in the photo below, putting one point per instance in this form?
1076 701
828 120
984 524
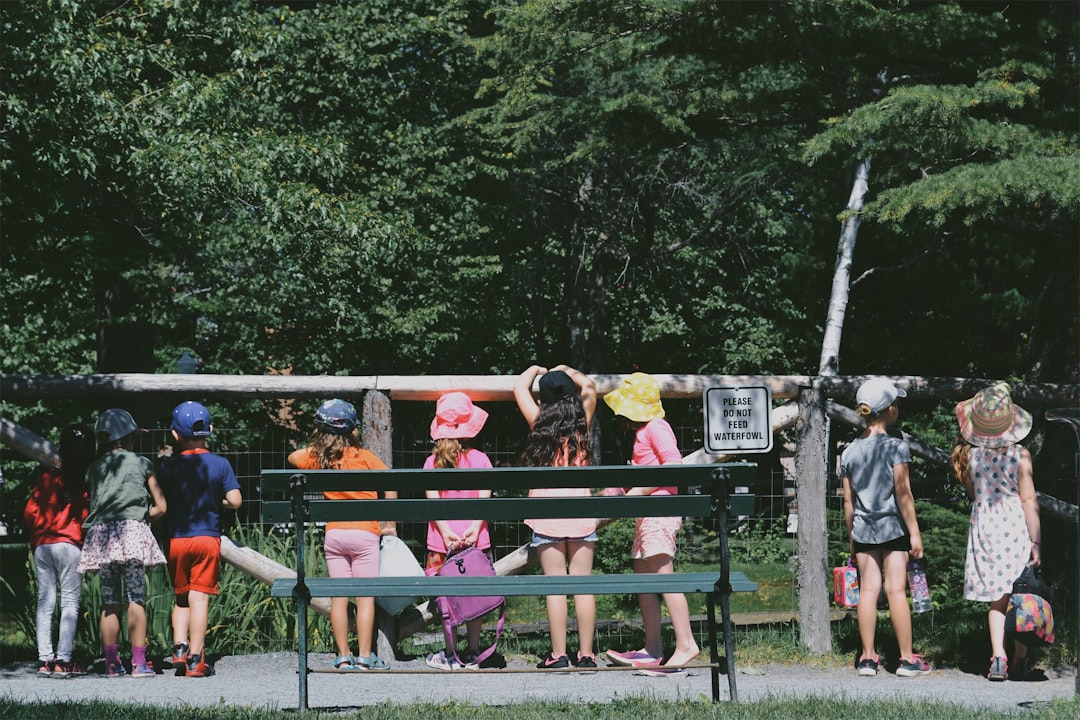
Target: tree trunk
829 363
813 537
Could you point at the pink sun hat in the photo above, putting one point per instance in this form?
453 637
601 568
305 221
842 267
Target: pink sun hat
456 417
991 419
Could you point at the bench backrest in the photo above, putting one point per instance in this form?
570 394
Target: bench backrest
703 491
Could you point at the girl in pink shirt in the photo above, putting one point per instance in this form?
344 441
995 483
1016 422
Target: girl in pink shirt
637 402
456 422
559 436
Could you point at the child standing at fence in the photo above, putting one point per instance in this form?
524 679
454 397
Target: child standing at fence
198 485
559 436
457 421
637 403
1005 530
119 546
54 515
352 547
879 510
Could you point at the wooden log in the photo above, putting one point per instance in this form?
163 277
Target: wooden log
1029 395
28 444
401 387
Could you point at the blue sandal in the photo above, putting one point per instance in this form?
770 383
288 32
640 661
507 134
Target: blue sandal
371 662
346 663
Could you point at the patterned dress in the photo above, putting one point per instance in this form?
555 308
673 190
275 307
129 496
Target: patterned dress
998 542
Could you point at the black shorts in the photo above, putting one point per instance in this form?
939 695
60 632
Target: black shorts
901 543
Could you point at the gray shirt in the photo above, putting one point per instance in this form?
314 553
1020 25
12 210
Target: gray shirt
868 463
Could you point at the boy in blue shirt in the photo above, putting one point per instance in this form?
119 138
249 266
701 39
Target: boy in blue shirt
197 484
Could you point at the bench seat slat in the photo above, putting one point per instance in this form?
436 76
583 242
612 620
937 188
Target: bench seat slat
422 510
422 586
507 478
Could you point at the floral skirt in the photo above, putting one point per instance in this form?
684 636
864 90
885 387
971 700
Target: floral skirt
119 541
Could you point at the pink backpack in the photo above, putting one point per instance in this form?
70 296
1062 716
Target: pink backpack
470 562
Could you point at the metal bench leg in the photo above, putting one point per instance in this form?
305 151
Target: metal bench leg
729 643
713 649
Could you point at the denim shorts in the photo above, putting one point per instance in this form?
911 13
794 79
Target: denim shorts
538 539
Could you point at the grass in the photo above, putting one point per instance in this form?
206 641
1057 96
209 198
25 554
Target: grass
803 709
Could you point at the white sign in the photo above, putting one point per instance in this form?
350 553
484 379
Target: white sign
738 420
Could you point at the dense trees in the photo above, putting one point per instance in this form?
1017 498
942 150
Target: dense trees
399 187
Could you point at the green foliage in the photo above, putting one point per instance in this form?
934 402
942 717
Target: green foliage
762 542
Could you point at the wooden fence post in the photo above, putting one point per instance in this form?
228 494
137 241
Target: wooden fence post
812 488
377 430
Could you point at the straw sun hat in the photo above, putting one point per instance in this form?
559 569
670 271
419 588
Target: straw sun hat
991 419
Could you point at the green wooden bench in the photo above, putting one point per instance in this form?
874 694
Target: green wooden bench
703 492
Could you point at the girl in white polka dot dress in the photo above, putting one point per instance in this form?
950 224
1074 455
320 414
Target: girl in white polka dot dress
1004 533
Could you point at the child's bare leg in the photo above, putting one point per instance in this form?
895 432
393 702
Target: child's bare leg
339 624
869 589
686 648
581 562
136 623
650 611
895 568
553 562
181 619
996 622
365 625
110 624
473 628
199 610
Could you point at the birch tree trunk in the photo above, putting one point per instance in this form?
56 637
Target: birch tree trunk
812 471
841 283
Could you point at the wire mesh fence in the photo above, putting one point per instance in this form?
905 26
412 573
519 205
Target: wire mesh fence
762 543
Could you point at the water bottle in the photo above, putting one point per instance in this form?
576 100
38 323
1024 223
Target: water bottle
920 591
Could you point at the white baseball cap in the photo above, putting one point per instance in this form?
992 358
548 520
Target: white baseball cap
878 394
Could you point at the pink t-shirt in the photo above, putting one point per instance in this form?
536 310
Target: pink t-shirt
655 444
470 458
568 527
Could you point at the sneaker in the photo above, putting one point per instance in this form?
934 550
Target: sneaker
554 663
999 669
179 658
115 670
66 669
632 658
1022 669
198 667
868 667
913 668
46 668
586 662
440 661
143 671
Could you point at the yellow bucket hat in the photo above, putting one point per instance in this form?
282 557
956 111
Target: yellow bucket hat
638 398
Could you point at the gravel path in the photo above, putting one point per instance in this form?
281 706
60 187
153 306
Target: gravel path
270 681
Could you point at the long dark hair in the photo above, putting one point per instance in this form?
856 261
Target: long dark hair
328 449
76 452
559 436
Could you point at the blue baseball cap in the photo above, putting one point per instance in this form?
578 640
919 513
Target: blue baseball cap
336 416
190 419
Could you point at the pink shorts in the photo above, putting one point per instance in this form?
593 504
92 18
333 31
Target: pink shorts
352 553
655 536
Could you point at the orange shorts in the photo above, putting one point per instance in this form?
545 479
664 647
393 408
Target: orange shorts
195 564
